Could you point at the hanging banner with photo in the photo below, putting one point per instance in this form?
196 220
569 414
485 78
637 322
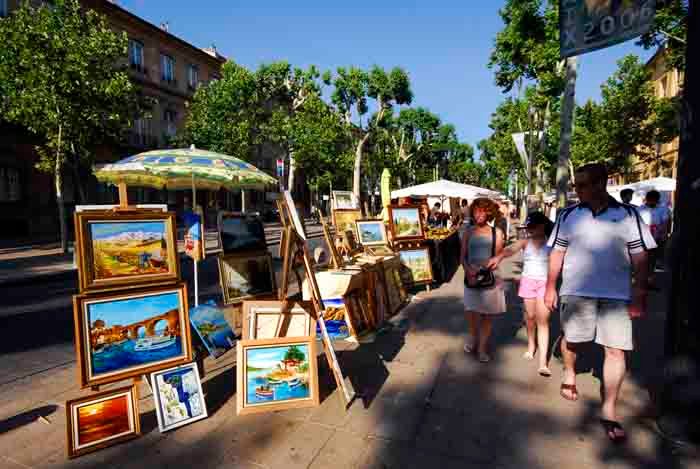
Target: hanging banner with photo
588 25
193 235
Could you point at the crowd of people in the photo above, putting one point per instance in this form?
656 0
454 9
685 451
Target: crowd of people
594 266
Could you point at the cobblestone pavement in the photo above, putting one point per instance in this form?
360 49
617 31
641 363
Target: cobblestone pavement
423 404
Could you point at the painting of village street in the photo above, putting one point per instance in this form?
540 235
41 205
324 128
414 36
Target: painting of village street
406 222
418 264
128 333
277 373
179 397
122 249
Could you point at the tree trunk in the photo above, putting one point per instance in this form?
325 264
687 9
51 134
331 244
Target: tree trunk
82 196
358 166
58 180
567 115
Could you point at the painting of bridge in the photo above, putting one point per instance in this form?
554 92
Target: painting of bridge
134 331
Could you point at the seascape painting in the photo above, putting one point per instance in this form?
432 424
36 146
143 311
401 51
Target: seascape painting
334 316
240 233
417 261
243 277
277 373
406 223
178 396
371 232
128 248
101 420
130 333
213 329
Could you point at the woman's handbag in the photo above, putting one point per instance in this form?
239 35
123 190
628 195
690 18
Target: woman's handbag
485 277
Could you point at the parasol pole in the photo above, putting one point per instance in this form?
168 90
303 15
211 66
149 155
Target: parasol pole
123 197
194 259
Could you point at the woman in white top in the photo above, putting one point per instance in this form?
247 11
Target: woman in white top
532 285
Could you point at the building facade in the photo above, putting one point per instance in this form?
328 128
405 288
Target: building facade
166 69
667 83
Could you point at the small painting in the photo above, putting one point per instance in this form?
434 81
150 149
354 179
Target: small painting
116 250
335 318
271 319
276 374
178 396
344 200
213 329
371 232
124 335
416 264
241 233
406 223
294 218
246 276
102 420
344 220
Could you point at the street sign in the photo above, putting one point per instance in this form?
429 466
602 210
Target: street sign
280 168
588 25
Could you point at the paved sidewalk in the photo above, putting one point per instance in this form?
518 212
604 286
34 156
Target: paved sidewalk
424 404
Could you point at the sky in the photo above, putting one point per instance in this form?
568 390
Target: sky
125 312
101 230
443 45
269 357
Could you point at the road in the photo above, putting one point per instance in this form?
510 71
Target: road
38 313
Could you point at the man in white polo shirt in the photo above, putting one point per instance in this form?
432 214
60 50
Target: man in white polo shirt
598 245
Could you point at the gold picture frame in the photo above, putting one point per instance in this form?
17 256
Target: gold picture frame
129 249
114 332
416 265
344 220
406 223
89 418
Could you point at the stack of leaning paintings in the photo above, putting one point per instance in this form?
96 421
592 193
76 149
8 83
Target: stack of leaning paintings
132 319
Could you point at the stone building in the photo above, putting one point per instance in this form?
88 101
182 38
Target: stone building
165 67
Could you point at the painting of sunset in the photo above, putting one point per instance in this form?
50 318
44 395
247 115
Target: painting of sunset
103 420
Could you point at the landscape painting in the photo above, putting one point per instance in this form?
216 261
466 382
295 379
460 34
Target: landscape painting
344 200
416 262
178 396
102 420
213 329
276 374
125 249
245 276
131 334
241 233
406 223
371 232
335 318
344 220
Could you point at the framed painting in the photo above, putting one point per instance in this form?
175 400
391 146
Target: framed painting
335 317
127 334
125 249
276 374
406 224
336 259
272 319
357 312
344 200
371 232
416 266
344 220
241 233
294 218
246 276
178 396
102 420
213 329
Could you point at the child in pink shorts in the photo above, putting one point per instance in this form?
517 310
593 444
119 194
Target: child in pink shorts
532 285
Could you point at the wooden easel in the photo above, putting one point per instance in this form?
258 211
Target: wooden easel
295 247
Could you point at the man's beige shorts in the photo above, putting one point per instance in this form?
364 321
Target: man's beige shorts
585 319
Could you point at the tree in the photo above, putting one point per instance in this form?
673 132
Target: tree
669 30
293 353
462 167
352 87
62 76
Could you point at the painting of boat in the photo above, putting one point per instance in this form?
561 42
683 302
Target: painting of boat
264 392
284 371
153 343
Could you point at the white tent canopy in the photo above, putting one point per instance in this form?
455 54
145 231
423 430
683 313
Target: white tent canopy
664 185
444 188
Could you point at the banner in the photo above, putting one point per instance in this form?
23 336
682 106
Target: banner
588 25
280 168
193 235
519 140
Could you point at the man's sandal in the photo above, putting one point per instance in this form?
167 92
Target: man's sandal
612 431
544 371
569 387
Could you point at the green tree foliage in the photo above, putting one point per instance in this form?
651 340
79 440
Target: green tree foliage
62 76
669 30
294 353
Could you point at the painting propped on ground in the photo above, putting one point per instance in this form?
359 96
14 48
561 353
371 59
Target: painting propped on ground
178 396
213 329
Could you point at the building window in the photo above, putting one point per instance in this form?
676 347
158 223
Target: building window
167 68
169 117
142 131
192 76
136 55
10 189
3 8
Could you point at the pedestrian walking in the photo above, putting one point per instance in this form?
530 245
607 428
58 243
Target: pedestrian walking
626 196
483 290
532 285
658 218
599 246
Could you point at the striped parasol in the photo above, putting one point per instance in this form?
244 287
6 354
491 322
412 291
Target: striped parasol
183 168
